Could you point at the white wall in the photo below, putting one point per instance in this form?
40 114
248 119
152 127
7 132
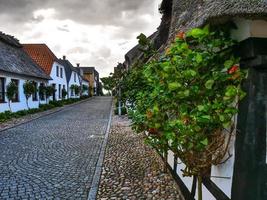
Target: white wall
21 105
249 28
57 79
73 82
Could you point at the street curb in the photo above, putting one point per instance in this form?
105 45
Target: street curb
44 115
97 175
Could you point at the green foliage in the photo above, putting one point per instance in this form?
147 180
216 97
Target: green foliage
29 89
188 94
85 88
64 93
108 83
49 91
11 90
146 46
76 89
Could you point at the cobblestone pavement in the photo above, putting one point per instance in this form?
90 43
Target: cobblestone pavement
132 170
54 157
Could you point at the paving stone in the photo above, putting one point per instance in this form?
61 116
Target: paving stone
54 157
132 170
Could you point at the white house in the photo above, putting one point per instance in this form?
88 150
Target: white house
47 60
16 66
72 77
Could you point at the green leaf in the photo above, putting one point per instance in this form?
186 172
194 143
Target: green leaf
190 73
209 84
174 86
228 64
200 108
222 118
156 108
226 125
205 142
198 33
186 93
199 58
231 91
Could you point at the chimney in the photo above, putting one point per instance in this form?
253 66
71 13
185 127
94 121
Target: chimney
64 57
78 65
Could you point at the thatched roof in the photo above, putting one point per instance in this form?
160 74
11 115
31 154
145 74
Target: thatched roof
186 14
69 68
13 59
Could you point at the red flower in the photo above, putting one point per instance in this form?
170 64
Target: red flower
181 35
233 69
153 131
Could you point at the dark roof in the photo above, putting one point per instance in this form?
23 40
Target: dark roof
89 70
188 14
14 60
68 68
42 55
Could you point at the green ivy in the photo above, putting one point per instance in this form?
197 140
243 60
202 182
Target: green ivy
189 93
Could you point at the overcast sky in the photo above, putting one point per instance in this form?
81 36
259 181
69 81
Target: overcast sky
90 32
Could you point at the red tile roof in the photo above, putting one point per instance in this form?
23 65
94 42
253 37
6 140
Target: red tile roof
42 55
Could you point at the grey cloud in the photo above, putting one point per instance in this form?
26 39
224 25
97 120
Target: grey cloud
63 29
88 12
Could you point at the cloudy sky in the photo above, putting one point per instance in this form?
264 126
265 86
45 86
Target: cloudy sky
90 32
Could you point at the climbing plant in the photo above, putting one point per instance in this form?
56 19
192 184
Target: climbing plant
189 98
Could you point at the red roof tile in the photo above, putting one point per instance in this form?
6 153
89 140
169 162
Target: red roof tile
42 55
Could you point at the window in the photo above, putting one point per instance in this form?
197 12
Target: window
41 92
57 71
35 95
61 72
74 77
72 92
16 96
62 92
54 93
59 91
2 90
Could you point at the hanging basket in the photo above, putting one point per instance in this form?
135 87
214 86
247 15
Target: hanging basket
199 162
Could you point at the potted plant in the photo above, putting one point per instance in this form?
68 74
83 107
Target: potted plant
11 91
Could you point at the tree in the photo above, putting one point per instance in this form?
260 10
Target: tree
28 89
108 83
49 91
11 91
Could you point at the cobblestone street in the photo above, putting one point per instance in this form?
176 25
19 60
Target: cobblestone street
54 157
132 170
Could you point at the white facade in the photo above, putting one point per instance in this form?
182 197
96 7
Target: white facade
59 80
74 80
21 104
